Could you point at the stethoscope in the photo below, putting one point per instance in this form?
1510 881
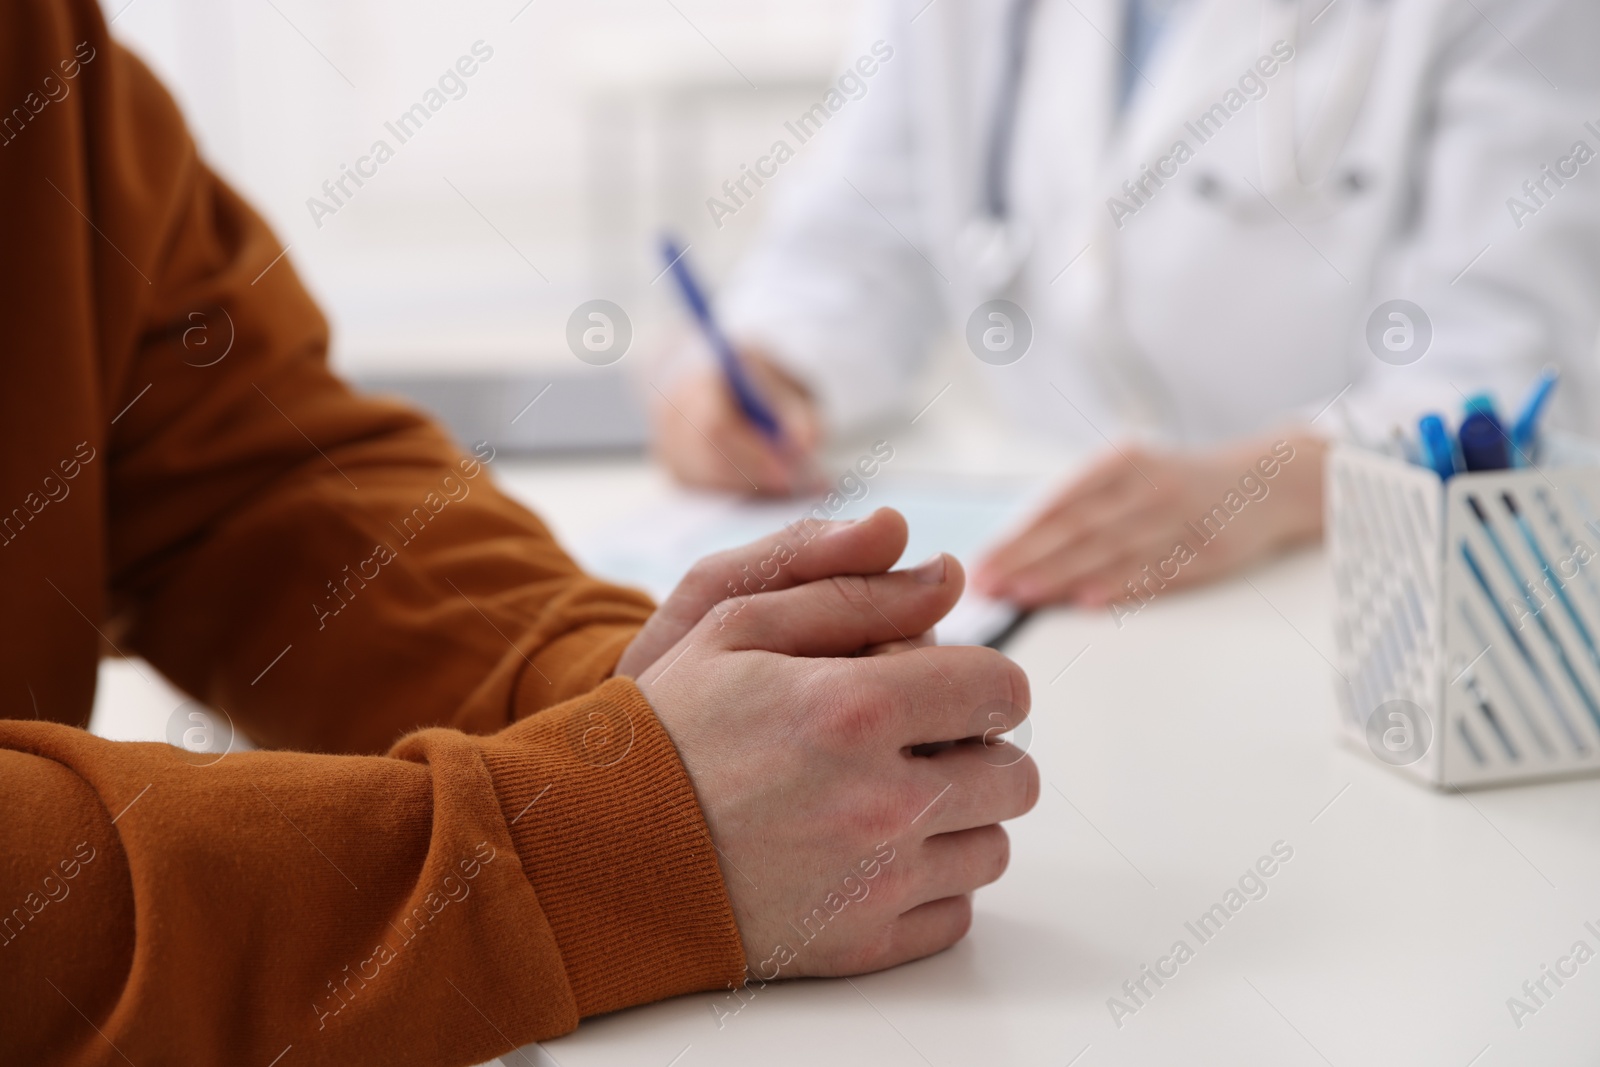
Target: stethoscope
1307 183
1303 183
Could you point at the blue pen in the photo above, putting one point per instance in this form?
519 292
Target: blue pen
1437 452
1524 432
1484 445
750 402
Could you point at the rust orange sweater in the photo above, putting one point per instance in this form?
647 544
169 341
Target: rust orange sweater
461 836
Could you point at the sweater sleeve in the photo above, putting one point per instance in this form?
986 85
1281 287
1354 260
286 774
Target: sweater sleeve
328 569
481 839
441 904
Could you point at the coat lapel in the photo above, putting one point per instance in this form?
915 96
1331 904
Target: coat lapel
1195 63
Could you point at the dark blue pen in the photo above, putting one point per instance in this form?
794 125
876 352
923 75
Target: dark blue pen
1482 438
750 402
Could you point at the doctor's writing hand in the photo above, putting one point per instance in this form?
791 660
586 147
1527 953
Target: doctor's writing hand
852 799
703 438
1142 520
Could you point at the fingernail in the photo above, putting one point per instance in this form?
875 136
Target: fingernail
838 526
930 571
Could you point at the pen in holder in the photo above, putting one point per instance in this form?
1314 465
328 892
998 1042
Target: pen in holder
1468 614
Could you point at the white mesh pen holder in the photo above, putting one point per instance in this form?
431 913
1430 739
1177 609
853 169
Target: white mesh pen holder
1468 615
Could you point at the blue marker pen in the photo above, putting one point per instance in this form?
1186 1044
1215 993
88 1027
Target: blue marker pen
1525 431
750 402
1437 452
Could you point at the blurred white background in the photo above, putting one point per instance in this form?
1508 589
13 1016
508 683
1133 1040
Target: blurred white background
594 125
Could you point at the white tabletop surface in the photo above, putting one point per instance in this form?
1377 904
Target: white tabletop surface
1175 751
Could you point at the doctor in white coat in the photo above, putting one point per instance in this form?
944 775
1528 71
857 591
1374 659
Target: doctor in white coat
1197 234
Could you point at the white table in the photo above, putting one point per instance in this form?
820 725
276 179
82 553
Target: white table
1175 752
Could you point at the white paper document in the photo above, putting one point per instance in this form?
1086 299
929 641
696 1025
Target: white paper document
653 548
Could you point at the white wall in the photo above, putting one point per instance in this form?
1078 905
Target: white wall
593 124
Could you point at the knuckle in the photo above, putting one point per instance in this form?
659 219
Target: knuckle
870 950
852 716
894 886
914 806
725 620
735 571
999 857
1001 678
962 921
850 723
706 576
866 820
881 811
1019 692
1028 781
743 614
852 594
708 568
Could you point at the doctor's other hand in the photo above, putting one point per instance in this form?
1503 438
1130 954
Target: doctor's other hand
854 800
1162 519
703 438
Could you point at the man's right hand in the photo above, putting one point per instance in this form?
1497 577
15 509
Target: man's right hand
703 438
853 799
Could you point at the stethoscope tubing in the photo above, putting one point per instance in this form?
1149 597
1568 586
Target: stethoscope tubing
1303 179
